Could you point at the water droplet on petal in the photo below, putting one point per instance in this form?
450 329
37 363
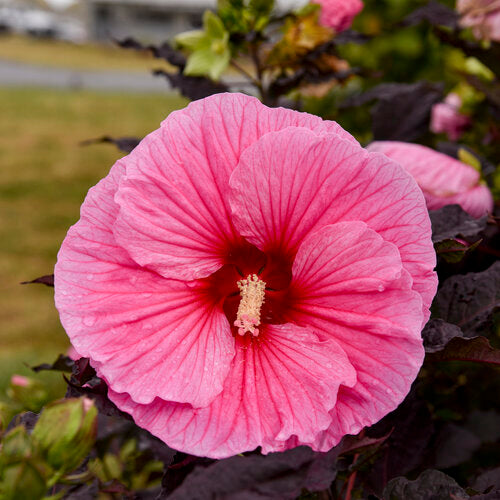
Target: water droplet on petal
89 321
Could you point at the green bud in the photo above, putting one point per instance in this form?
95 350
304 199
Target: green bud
22 481
16 446
28 392
65 432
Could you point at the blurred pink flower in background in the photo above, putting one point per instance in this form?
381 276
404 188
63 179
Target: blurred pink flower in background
19 380
250 277
483 16
443 180
339 14
446 117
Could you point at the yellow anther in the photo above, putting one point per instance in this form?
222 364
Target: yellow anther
252 291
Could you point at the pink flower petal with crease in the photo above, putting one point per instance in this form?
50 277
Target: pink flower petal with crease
148 335
281 386
174 215
349 285
292 183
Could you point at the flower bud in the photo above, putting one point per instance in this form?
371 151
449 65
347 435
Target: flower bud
22 480
65 432
16 445
28 392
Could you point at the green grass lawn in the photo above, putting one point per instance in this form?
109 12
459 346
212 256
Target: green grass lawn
45 175
88 56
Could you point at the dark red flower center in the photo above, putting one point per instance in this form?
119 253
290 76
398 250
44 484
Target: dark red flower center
249 268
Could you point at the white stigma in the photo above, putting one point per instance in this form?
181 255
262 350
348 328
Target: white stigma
252 291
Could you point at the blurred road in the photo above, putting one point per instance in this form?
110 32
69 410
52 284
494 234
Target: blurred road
14 74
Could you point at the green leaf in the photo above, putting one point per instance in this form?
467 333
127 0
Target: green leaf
454 251
192 40
210 52
469 159
213 26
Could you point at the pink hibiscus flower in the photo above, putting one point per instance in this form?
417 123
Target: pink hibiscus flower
339 14
250 277
446 117
443 180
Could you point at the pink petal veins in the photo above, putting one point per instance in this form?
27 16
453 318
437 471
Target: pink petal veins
292 183
282 386
174 212
151 337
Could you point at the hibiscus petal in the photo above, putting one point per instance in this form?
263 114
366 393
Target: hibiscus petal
348 284
174 214
292 183
477 201
436 173
149 336
281 384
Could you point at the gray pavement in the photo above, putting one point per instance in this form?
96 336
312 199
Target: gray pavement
13 74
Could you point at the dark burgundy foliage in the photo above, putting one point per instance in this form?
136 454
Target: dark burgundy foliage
125 144
402 111
470 300
437 333
452 222
61 364
434 13
430 485
47 280
192 87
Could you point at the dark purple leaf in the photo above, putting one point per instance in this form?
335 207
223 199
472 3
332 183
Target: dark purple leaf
274 476
125 144
84 382
454 446
164 51
147 442
475 349
402 111
61 364
28 419
470 300
351 36
492 495
452 221
192 87
488 480
437 333
434 13
412 428
485 425
47 280
360 444
430 485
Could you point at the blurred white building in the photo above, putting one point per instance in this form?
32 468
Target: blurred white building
146 20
